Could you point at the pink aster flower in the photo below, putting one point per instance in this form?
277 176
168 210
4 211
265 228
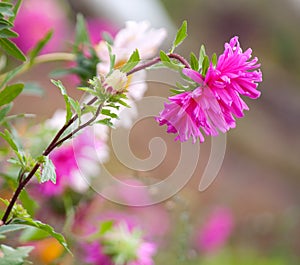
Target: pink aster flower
235 74
212 105
35 19
216 231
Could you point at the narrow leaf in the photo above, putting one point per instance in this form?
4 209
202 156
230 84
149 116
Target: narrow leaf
15 10
181 35
8 33
10 140
39 46
214 59
205 65
132 62
81 33
11 74
9 93
202 54
48 171
4 111
12 49
194 62
164 57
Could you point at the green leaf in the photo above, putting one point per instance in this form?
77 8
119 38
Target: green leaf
33 89
81 33
180 36
8 33
164 57
32 234
132 62
48 171
214 59
202 54
12 49
76 106
39 46
15 10
106 122
10 140
6 9
4 111
47 228
205 65
112 58
14 256
11 74
194 62
107 37
10 228
109 113
29 204
8 94
63 91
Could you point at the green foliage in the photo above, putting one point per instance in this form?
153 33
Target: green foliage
132 62
171 64
48 171
205 65
29 222
194 62
4 111
39 46
14 256
7 136
180 36
8 94
81 34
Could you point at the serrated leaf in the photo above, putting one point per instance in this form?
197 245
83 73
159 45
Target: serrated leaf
8 33
4 111
214 59
47 228
9 93
12 49
63 91
205 65
9 139
81 33
39 46
14 256
194 62
48 171
180 36
133 60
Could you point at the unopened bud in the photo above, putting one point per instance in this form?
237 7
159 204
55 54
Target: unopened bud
115 83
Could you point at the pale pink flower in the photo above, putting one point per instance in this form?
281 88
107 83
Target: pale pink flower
215 231
35 19
135 35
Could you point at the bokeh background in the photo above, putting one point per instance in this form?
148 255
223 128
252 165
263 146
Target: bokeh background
259 181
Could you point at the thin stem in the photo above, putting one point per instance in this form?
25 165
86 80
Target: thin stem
45 58
157 60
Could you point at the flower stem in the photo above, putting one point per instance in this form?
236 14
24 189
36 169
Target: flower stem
157 60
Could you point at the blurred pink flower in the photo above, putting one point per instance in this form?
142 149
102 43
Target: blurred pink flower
215 231
75 163
35 19
212 104
121 244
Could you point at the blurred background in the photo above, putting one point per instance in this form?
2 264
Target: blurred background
258 184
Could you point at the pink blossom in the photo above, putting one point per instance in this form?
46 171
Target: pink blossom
235 74
35 19
74 163
215 231
189 111
212 105
93 254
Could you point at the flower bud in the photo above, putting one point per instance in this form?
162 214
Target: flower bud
115 83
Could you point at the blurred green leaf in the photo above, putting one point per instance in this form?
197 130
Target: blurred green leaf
132 62
81 33
6 9
8 33
14 256
11 74
33 233
11 49
48 171
47 228
7 136
33 89
63 91
15 10
4 111
39 46
9 93
180 36
194 62
109 113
